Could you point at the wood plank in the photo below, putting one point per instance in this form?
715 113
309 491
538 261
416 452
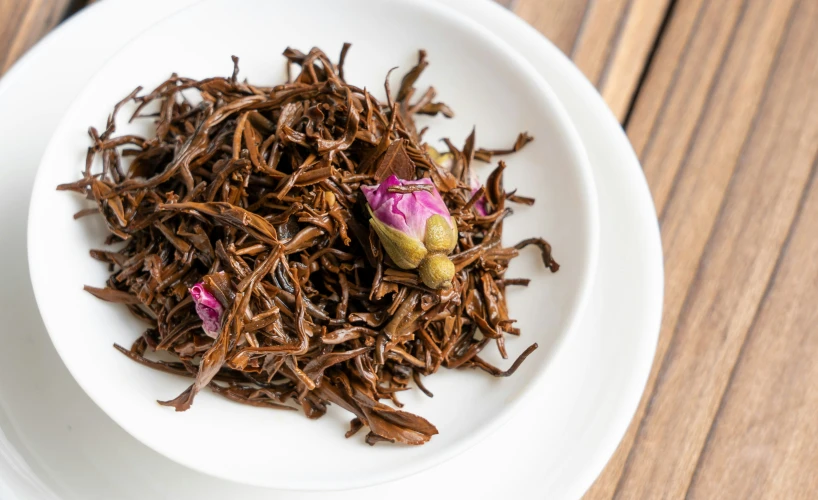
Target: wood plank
762 442
713 292
604 23
559 20
609 40
23 23
618 69
689 64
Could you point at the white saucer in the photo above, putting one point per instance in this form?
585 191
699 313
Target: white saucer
467 406
554 447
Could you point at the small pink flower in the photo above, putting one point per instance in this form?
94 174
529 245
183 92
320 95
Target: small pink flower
415 228
208 308
406 212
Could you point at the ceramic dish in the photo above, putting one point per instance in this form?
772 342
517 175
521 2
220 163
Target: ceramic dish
490 87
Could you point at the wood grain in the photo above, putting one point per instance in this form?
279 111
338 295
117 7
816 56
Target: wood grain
725 217
721 102
609 40
559 20
627 48
23 23
762 440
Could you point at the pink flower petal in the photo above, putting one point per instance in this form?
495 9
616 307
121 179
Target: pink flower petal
406 212
208 308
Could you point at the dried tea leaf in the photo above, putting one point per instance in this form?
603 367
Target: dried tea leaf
395 161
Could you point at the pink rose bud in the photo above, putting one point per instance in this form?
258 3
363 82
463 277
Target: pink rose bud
415 227
208 308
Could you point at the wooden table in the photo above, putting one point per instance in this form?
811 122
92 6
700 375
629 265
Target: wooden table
720 101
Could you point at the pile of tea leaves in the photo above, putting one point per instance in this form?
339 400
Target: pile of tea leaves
254 192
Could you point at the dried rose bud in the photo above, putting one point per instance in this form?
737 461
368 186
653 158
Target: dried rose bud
208 308
415 228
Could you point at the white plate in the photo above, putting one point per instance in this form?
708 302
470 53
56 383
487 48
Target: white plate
556 445
483 80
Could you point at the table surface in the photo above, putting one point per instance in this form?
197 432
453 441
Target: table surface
720 101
